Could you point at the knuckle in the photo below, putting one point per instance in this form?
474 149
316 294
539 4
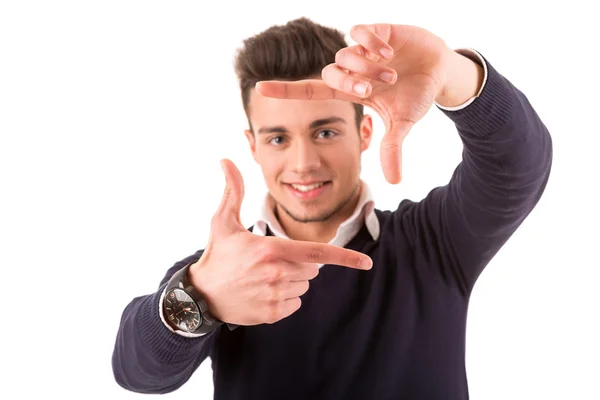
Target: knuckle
273 295
305 287
401 117
227 191
372 42
340 56
273 313
264 254
327 73
311 271
348 85
272 275
309 91
286 93
297 303
316 254
351 259
365 69
356 29
315 271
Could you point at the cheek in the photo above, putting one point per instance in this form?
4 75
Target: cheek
271 168
343 157
346 164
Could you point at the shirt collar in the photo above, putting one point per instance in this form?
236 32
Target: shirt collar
364 212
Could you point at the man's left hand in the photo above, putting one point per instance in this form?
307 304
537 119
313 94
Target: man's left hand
397 70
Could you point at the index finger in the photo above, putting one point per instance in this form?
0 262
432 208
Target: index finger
305 89
321 253
366 36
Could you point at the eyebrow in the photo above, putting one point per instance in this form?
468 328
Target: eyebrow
313 125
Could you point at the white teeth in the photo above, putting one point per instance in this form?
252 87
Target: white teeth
308 188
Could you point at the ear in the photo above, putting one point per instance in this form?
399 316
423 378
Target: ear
366 132
251 141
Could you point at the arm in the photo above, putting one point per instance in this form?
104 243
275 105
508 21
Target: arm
507 157
148 357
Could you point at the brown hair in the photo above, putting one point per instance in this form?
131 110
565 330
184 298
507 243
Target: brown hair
300 49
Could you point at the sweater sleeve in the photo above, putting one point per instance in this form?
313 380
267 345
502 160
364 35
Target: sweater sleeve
506 162
147 356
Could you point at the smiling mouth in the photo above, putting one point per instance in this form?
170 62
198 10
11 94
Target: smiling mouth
308 191
307 188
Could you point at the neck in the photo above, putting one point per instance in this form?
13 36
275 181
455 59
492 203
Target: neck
322 231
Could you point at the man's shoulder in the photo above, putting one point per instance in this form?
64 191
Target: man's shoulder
398 223
404 206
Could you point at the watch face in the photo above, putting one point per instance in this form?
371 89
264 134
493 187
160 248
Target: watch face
181 310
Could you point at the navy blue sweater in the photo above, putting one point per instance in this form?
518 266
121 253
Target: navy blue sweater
396 331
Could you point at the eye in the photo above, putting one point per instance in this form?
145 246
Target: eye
276 140
329 133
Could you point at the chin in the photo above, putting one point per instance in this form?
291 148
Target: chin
307 217
315 211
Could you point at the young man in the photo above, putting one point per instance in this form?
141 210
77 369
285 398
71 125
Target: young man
327 297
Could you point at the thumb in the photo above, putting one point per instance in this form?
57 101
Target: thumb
228 213
391 151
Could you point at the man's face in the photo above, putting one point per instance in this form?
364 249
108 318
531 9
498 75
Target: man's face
309 153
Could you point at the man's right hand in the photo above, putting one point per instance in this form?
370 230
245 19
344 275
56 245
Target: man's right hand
249 279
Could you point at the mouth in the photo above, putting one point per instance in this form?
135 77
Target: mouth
308 191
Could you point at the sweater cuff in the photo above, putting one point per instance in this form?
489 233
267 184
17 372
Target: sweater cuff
490 110
164 344
478 58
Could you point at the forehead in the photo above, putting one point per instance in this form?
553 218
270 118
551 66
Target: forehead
295 113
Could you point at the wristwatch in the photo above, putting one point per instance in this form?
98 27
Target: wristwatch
185 309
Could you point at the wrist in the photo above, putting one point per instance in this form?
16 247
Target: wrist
465 78
199 276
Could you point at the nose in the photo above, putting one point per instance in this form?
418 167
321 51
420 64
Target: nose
304 157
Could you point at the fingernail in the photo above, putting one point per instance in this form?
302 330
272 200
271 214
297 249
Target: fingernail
366 263
360 88
387 76
386 53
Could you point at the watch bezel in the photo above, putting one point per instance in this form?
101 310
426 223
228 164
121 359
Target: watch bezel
180 280
198 313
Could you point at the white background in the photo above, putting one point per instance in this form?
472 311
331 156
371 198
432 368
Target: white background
114 116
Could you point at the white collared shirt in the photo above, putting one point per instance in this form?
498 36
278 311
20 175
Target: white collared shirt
364 212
